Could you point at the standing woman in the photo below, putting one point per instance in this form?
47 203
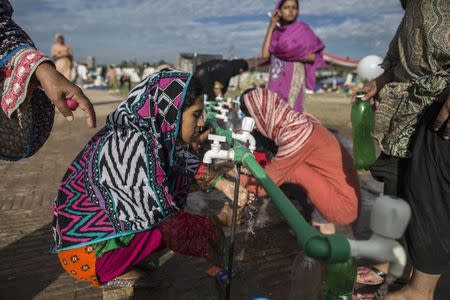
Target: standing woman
62 56
295 54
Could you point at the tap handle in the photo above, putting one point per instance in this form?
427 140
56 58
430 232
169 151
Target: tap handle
221 109
248 124
217 139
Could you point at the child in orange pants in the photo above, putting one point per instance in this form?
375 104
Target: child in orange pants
308 155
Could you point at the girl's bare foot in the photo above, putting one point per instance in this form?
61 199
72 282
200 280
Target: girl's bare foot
325 228
421 287
372 275
409 293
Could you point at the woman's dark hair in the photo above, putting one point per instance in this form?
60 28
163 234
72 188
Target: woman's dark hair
238 65
282 2
195 90
242 104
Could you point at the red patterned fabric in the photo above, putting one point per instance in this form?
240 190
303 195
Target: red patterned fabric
201 171
16 86
188 234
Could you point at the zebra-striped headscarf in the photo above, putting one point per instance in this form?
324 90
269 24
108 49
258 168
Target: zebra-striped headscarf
132 174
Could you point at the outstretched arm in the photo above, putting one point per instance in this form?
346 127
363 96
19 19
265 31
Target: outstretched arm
373 87
58 89
275 171
13 42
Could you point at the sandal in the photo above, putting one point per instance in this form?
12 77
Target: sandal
364 278
134 283
365 292
363 296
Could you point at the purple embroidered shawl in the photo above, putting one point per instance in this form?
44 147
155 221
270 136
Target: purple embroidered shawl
289 44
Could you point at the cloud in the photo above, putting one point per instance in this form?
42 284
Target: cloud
360 37
356 8
149 30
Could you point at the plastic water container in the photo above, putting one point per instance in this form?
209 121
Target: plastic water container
306 279
363 123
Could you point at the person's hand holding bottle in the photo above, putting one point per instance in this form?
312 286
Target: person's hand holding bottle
373 87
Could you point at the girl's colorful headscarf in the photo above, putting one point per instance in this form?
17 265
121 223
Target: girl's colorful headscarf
132 174
276 120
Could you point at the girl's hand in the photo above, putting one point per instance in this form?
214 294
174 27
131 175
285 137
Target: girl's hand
199 139
203 137
227 187
232 172
58 89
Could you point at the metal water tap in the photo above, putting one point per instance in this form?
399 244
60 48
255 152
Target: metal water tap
216 152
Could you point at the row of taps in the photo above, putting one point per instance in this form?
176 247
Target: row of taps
245 136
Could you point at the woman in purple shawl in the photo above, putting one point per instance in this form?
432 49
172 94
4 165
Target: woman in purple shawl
295 51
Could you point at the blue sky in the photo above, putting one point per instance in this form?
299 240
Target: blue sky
149 30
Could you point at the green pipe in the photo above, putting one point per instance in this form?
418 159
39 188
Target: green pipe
331 248
212 103
210 121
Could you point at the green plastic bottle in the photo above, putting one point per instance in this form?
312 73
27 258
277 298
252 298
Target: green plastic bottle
363 122
340 280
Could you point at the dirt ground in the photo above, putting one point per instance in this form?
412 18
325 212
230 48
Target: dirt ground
333 110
